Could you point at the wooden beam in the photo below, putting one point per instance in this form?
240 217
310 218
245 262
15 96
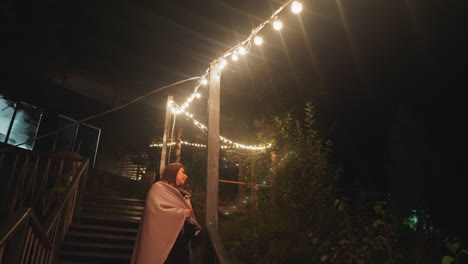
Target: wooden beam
162 163
212 174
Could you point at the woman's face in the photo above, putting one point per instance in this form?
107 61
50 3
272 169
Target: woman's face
181 177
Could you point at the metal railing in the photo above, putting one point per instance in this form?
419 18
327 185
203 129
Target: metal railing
40 199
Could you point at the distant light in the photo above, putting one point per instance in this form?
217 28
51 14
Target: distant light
258 40
204 81
235 57
296 7
242 51
277 25
197 95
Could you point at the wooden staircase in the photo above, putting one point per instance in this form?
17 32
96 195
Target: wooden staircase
104 231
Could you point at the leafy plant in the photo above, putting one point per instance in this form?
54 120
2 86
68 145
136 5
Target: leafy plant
456 253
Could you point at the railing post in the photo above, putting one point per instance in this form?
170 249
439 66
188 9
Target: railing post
82 187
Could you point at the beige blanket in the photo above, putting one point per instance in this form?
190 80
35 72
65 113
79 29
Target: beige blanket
163 219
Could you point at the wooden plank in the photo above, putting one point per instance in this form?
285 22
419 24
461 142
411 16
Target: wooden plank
213 148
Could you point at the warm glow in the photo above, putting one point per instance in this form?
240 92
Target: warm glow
204 81
258 40
296 7
277 25
235 57
223 63
242 51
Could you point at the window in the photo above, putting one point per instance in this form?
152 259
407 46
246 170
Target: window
81 138
19 123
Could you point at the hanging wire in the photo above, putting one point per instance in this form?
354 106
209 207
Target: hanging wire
100 114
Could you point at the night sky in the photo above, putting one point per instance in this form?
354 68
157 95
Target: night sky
384 75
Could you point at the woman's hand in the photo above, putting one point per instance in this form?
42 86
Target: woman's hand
188 213
197 232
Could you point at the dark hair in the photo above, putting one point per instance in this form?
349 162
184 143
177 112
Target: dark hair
170 172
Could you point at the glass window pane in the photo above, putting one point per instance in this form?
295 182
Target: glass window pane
64 138
25 126
87 141
7 108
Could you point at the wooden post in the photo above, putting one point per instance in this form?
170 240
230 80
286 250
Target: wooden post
212 174
162 163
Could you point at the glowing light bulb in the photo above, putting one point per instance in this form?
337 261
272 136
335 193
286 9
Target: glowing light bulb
235 57
223 64
204 81
296 7
197 95
277 25
242 51
258 40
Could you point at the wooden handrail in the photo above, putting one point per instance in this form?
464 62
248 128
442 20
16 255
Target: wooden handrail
39 229
59 208
15 222
44 241
47 155
12 224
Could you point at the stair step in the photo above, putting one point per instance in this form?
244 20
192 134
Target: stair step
93 204
97 247
103 229
103 232
94 257
93 237
103 199
77 262
116 221
111 211
117 218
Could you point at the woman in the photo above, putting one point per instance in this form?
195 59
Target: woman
168 223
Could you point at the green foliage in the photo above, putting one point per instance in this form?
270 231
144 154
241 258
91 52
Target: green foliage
297 217
298 201
302 180
456 253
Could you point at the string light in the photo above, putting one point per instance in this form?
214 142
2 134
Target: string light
258 40
231 143
277 25
160 145
242 48
223 64
242 51
296 7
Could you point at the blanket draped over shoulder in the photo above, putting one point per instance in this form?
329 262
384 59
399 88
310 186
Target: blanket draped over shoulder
162 221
